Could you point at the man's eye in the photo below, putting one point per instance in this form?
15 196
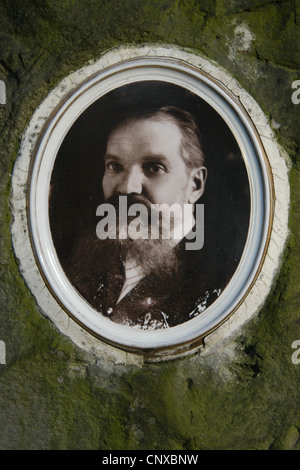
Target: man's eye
155 168
113 166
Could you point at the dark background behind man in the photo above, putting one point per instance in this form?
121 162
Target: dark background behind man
76 181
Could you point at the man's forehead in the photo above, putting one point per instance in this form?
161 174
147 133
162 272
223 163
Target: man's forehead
151 132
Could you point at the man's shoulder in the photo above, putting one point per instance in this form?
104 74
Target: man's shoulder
89 264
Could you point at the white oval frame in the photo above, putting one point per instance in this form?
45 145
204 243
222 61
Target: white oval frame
30 229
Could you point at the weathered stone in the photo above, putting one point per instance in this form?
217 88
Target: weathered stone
55 396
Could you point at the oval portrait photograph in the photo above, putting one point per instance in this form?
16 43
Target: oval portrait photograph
149 205
145 222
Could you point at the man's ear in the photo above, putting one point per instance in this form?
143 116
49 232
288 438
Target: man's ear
198 179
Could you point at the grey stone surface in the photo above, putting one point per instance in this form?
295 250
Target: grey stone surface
57 396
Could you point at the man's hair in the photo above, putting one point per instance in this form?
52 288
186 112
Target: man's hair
191 148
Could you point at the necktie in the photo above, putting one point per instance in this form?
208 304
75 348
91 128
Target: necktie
133 274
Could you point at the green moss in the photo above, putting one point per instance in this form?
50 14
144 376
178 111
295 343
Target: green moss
50 407
54 396
230 7
277 22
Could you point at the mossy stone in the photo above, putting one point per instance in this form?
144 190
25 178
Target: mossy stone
54 396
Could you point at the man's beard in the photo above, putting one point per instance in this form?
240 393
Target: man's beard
154 255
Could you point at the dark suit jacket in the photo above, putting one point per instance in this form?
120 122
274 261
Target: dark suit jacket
157 301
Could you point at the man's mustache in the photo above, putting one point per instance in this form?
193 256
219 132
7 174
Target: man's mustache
131 199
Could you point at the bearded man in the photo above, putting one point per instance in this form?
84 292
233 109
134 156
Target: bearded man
152 159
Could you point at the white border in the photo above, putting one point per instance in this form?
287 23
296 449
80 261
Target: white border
78 91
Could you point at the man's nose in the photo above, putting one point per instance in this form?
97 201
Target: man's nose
131 182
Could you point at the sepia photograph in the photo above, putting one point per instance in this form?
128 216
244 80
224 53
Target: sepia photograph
150 227
149 205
